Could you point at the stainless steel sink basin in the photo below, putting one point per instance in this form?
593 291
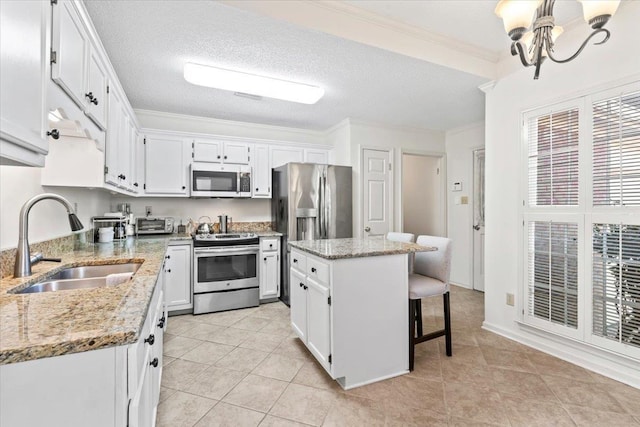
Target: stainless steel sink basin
88 271
89 276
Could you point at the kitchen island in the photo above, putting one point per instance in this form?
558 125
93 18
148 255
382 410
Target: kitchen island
349 305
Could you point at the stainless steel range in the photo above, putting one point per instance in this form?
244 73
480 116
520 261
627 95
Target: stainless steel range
225 272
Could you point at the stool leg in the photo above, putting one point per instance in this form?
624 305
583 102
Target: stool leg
419 316
412 333
447 323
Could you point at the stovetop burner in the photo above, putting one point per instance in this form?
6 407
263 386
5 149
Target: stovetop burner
225 236
226 239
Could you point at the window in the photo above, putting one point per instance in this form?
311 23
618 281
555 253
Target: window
581 219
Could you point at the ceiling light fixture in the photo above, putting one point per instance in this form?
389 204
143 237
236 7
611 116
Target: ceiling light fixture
536 45
251 84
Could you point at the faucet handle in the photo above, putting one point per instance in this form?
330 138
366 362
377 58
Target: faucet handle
37 257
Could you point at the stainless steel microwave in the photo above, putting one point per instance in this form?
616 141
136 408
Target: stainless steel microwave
218 180
154 225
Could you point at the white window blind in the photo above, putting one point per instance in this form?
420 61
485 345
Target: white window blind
552 142
616 282
616 151
553 272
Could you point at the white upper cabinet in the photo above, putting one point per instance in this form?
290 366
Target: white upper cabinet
316 156
167 160
261 171
282 155
96 91
216 151
112 145
70 47
23 69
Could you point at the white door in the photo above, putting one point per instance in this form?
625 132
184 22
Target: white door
261 171
478 218
207 151
166 166
318 318
283 155
269 280
178 277
376 169
298 295
236 153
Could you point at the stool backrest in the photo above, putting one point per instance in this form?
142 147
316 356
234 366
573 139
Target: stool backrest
400 237
436 264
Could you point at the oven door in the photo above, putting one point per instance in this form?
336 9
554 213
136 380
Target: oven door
225 268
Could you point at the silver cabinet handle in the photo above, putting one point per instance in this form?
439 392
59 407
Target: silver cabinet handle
367 229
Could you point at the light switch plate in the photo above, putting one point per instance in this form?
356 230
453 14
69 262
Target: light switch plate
457 186
510 300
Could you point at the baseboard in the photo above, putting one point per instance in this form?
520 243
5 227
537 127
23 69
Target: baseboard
603 362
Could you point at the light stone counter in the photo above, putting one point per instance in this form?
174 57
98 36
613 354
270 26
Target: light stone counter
356 248
39 325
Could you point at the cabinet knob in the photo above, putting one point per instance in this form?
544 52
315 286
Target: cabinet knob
135 184
257 189
54 133
270 245
306 287
94 101
151 339
168 257
218 156
184 188
313 269
124 177
265 259
154 362
225 157
169 271
301 285
295 261
161 322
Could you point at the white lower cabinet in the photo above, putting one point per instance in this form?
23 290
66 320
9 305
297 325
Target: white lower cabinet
177 270
269 267
111 387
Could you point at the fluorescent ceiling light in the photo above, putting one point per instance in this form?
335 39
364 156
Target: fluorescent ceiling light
235 81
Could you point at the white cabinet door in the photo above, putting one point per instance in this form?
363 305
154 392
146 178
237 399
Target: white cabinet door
141 412
261 171
124 152
283 155
23 64
298 300
205 150
178 278
236 153
133 156
71 46
269 277
318 321
96 91
316 156
166 165
112 144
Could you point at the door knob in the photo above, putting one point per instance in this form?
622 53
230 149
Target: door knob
367 229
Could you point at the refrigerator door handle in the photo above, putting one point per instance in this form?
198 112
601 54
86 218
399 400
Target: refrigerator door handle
325 210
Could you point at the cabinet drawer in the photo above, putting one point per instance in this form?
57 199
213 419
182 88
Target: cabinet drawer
298 261
318 270
270 244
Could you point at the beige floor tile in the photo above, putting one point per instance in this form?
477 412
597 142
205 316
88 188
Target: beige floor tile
261 341
486 338
208 353
179 346
427 368
280 327
251 323
589 417
225 415
403 417
293 347
202 331
524 385
242 359
314 375
178 324
627 396
230 336
167 359
583 394
461 353
214 382
525 413
279 367
475 403
182 410
165 393
354 411
271 421
454 371
180 372
417 393
304 404
463 422
505 359
223 318
549 365
256 392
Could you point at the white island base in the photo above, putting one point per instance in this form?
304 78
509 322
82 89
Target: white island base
352 314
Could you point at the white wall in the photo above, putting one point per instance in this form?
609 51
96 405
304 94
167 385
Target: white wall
339 136
421 198
596 68
460 144
48 219
373 135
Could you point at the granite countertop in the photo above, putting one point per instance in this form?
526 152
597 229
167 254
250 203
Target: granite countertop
356 248
34 326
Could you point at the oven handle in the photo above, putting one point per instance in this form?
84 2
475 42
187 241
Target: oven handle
226 249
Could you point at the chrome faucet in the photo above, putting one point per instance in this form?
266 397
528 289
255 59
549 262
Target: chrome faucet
23 263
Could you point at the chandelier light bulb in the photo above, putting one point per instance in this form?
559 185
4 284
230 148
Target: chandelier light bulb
517 15
598 12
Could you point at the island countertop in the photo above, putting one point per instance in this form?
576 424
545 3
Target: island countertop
33 326
357 247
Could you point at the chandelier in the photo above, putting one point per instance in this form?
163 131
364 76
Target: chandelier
536 45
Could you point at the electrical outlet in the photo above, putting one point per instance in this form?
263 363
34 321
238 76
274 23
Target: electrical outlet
147 210
510 300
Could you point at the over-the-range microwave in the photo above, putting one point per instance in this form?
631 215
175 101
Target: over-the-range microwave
220 180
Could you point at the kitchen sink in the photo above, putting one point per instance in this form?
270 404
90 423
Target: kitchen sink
85 277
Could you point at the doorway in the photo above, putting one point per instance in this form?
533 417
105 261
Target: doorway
423 203
478 219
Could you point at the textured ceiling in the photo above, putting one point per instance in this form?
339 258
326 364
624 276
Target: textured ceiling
148 43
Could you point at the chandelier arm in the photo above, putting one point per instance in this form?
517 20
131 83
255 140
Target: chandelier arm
584 44
518 48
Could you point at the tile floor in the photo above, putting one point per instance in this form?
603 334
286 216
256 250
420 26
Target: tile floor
246 368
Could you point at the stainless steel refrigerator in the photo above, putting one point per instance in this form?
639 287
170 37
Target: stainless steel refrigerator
309 202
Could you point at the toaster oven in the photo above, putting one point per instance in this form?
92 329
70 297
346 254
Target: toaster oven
154 225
